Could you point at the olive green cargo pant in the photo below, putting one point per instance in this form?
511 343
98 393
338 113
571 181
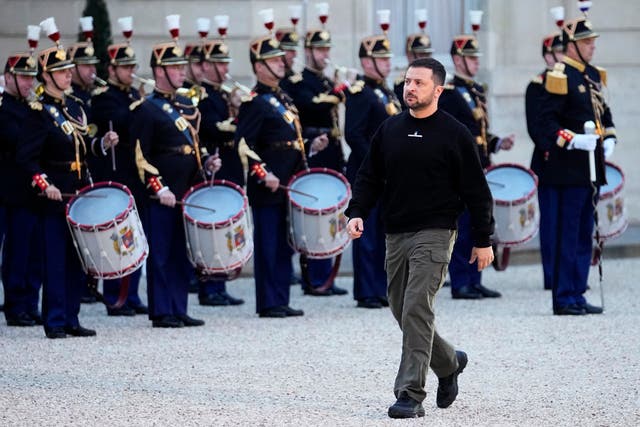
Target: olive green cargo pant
416 265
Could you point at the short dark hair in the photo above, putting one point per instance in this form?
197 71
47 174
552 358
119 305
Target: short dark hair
435 66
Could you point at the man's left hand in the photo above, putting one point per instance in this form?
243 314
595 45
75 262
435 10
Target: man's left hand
484 256
110 139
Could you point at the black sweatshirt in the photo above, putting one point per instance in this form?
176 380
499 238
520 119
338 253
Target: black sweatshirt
425 171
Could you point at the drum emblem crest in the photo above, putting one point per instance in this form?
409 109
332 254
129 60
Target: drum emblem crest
125 243
526 216
235 240
614 211
337 225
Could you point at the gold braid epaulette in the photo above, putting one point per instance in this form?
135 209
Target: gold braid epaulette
556 81
99 90
356 87
295 78
136 104
603 75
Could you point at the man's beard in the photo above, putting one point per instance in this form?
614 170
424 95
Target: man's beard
417 105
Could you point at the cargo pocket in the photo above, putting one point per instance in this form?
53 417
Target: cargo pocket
441 258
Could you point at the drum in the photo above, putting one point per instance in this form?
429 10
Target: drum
317 225
107 231
612 218
515 203
219 239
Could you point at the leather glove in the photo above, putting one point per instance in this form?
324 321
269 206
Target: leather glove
608 145
583 142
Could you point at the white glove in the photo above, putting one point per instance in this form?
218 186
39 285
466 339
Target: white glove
583 142
608 145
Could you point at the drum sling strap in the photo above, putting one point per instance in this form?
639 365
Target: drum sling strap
92 283
69 129
501 258
478 112
176 118
291 118
306 280
287 115
181 124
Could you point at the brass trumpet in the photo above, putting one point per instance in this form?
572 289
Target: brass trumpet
342 76
237 86
98 80
144 82
236 92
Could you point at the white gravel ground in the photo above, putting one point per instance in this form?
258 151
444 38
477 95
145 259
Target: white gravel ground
336 365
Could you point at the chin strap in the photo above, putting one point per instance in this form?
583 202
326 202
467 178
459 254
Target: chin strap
375 65
169 79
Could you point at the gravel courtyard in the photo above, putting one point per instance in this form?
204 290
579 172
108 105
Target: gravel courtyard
336 365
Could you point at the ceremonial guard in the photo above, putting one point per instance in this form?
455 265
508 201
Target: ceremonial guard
170 159
22 251
317 100
573 168
83 79
418 45
83 75
217 129
289 41
54 151
111 105
270 143
552 53
192 88
466 100
369 102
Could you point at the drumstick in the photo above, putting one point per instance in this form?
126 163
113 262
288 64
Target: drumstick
284 187
113 149
213 174
189 205
496 183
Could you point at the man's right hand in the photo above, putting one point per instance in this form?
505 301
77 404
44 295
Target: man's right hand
167 198
586 142
53 193
355 227
271 181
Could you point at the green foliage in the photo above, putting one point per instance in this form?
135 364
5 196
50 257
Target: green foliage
101 33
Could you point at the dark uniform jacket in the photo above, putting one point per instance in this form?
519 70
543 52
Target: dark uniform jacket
466 100
167 148
14 183
217 131
398 89
266 135
111 104
369 103
569 107
47 149
82 97
533 103
313 95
